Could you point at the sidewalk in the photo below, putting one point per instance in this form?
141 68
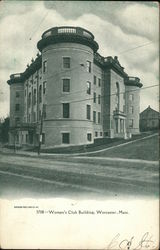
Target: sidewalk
156 163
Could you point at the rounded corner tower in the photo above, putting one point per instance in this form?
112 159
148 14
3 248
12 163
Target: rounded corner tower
133 86
67 71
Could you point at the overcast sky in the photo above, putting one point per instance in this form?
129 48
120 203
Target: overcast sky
118 28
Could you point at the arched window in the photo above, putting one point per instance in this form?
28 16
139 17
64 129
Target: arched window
29 99
34 96
40 93
117 95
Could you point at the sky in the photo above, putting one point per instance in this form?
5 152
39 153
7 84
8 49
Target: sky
129 30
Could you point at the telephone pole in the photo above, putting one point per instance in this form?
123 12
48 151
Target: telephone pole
41 129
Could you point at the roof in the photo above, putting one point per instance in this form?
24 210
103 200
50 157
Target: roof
149 112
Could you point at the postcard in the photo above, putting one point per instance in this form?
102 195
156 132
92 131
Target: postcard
79 125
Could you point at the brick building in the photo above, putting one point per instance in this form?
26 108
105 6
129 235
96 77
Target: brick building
74 92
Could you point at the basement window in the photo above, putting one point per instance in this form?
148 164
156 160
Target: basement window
65 138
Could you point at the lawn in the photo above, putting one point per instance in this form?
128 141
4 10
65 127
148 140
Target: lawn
146 149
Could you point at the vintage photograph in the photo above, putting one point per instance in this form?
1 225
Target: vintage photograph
79 124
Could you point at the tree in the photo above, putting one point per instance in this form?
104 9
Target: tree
4 130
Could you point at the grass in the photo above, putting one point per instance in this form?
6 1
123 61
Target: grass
97 145
147 149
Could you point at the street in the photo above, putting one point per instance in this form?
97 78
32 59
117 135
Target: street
80 177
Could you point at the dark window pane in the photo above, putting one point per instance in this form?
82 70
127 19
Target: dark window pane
99 82
44 87
99 117
99 99
29 99
40 93
44 111
89 137
94 116
95 79
96 133
66 85
88 112
94 97
65 110
66 62
44 66
43 138
34 96
17 107
65 138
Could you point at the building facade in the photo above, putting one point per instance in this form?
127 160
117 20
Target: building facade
70 94
149 119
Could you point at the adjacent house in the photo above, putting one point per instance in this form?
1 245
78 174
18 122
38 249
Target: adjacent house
149 119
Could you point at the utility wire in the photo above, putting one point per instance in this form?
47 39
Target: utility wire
137 47
39 25
102 96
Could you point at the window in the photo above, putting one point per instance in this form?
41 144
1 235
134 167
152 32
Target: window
34 96
105 134
101 133
43 138
66 85
99 82
40 93
34 116
26 138
89 66
89 137
65 110
29 118
94 97
44 111
116 125
131 123
66 138
95 80
96 133
99 99
88 88
131 109
117 95
17 94
88 112
66 62
44 87
131 97
44 66
39 114
29 99
94 116
17 107
17 120
99 117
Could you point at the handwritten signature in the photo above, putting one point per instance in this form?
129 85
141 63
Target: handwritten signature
146 242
